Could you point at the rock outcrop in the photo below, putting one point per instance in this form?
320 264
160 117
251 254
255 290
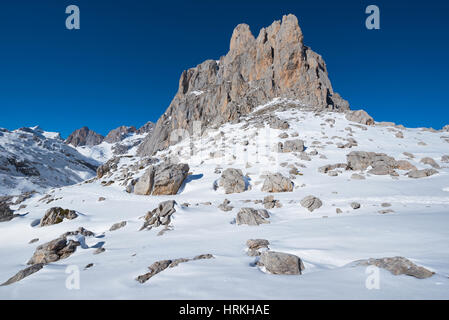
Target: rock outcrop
119 134
6 214
160 215
311 203
84 137
254 72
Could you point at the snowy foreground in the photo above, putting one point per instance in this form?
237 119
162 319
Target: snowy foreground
326 241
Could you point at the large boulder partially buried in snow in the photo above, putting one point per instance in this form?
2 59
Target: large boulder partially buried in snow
164 179
281 263
416 174
311 203
360 116
398 266
277 183
232 181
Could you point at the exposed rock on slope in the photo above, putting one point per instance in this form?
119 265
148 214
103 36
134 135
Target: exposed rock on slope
84 137
255 71
398 266
119 134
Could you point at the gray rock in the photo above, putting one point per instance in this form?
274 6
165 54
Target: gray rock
277 183
281 263
356 176
160 215
381 163
24 273
445 159
56 215
430 162
311 203
251 217
416 174
168 178
398 266
6 214
360 116
296 145
54 250
225 206
117 226
355 205
232 181
254 245
144 184
160 266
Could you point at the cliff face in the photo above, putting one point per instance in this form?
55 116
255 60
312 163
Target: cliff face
255 71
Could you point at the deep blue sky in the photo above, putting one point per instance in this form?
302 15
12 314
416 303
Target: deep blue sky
122 67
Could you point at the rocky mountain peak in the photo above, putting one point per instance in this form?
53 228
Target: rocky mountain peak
84 137
119 134
276 64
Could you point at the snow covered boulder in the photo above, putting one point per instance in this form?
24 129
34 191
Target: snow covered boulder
360 116
56 215
232 181
416 174
252 217
398 266
281 263
311 203
277 183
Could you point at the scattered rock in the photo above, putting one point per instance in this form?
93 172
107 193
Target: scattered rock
269 202
251 217
311 203
24 273
117 226
99 250
160 266
430 162
296 145
360 116
54 250
56 215
225 206
254 245
6 214
280 263
277 183
355 205
160 215
33 240
232 181
416 174
398 266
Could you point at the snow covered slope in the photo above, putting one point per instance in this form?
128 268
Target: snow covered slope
32 159
398 216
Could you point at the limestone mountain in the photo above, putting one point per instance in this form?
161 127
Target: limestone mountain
84 137
276 64
119 134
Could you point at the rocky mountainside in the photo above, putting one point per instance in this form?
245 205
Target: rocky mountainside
33 160
84 137
276 64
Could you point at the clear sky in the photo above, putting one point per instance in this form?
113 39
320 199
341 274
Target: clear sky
122 67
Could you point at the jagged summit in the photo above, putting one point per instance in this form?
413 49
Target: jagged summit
276 64
84 137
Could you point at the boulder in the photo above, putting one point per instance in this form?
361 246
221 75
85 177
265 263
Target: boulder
311 203
404 165
160 215
355 205
144 185
277 183
296 145
117 226
225 205
54 250
360 116
281 263
381 163
251 217
398 266
56 215
168 178
430 162
254 245
416 174
6 214
232 181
